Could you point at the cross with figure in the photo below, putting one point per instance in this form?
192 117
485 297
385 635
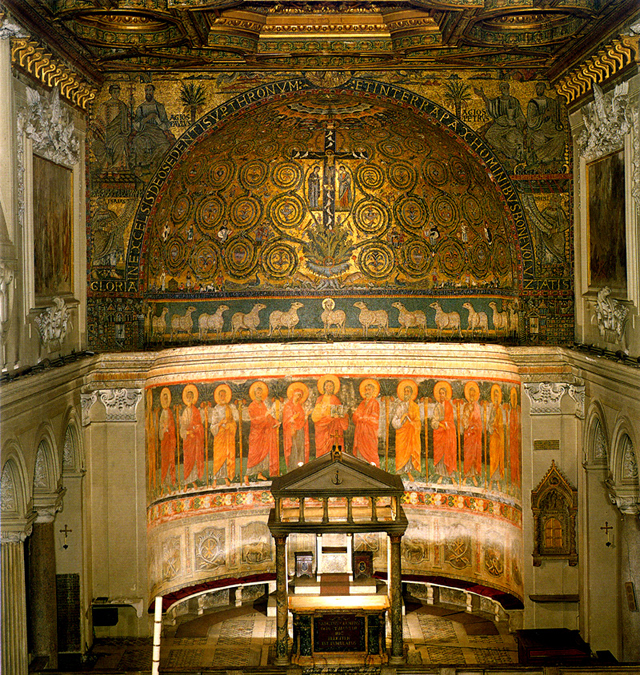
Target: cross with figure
325 185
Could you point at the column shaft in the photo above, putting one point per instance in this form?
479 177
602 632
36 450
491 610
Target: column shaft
282 609
14 610
42 592
630 573
397 646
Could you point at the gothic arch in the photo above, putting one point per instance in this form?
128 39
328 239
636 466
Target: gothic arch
623 462
72 446
46 470
596 437
15 492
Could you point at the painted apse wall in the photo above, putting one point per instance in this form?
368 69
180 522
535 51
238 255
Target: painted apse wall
340 207
213 443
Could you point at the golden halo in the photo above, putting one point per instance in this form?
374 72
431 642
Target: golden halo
513 393
165 397
447 388
407 383
364 383
292 388
469 387
330 378
220 388
190 388
252 389
498 388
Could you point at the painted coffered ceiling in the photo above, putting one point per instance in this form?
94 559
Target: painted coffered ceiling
542 36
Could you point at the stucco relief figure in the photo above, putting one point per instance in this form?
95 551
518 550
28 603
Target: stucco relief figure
313 187
192 435
495 429
224 420
506 132
472 432
295 426
445 444
545 131
151 136
263 454
329 416
112 150
167 436
514 438
366 417
406 422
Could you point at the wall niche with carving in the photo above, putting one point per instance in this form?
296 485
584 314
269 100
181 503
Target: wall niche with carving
555 505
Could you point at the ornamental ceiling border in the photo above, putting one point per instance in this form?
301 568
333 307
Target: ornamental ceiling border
132 283
605 64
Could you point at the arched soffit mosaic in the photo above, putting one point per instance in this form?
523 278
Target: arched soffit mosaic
346 190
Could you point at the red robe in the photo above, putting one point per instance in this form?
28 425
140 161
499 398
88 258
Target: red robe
192 434
472 421
295 427
167 446
365 439
514 445
444 440
263 438
329 430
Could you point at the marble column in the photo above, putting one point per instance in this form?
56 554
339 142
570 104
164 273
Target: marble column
630 573
397 646
43 607
15 650
282 609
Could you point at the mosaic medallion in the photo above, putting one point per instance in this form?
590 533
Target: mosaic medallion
220 173
240 258
287 175
210 212
459 171
245 212
402 176
412 213
376 260
280 260
253 174
415 258
451 257
471 208
371 216
480 258
444 210
175 254
204 260
286 210
180 209
435 172
369 177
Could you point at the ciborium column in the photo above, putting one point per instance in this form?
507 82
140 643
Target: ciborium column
282 609
397 646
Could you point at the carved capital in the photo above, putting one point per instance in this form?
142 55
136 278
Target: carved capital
15 537
50 126
576 391
624 497
611 316
46 506
86 401
8 30
607 120
546 397
53 325
121 404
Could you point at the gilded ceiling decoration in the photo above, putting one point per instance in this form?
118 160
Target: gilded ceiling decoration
281 34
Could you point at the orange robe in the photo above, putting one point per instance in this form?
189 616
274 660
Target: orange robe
445 447
192 434
295 428
407 436
167 434
224 428
514 445
329 430
496 443
365 440
472 424
263 441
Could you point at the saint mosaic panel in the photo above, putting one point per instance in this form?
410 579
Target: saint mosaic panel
214 445
293 211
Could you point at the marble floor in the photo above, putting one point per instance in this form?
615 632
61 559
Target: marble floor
244 637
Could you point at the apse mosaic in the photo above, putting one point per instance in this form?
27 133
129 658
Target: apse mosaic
214 445
359 196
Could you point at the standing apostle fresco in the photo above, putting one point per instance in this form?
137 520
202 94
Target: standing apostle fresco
224 423
295 426
263 457
366 418
167 436
329 417
445 444
192 435
495 428
406 422
472 432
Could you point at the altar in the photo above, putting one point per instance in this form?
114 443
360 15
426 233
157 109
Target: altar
338 630
339 609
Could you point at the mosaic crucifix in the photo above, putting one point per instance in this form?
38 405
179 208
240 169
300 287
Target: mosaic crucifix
325 185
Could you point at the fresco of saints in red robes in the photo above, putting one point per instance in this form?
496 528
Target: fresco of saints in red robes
263 457
224 423
514 438
295 425
366 418
329 416
167 435
192 435
495 429
472 432
406 422
445 445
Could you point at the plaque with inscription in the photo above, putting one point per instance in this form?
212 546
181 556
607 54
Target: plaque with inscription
339 633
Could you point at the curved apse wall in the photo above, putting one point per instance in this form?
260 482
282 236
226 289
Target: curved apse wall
220 425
